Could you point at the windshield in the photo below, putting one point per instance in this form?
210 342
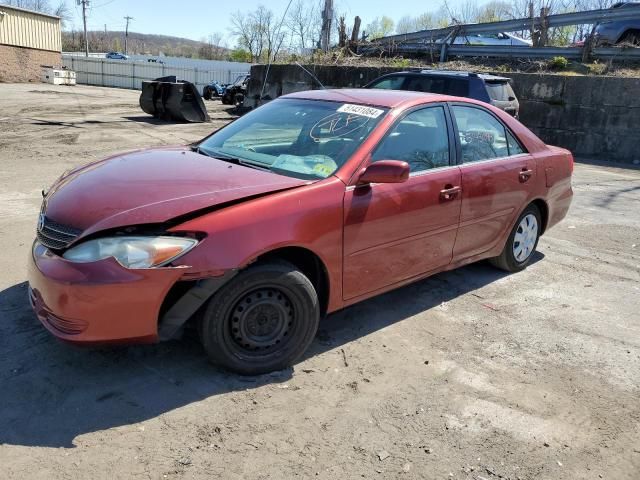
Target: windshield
299 138
239 80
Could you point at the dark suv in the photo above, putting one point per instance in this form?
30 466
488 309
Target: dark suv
614 32
487 88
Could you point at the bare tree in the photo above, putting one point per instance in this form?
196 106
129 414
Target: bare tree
406 24
304 21
379 27
259 32
243 26
212 48
423 21
494 11
465 12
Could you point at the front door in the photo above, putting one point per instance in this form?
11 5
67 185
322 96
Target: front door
393 232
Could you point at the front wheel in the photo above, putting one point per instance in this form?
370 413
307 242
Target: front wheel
262 320
522 242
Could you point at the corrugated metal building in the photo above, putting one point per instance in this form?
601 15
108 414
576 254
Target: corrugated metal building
28 40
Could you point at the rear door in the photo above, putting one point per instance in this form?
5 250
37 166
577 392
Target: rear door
393 232
498 179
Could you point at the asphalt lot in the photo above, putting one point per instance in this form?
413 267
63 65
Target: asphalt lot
471 374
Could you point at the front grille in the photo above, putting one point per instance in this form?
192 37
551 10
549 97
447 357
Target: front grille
54 235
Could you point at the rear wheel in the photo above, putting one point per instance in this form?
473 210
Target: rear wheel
263 320
522 242
631 37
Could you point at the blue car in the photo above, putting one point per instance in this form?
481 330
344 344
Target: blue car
116 56
213 90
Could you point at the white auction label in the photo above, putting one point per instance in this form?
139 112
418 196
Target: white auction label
360 110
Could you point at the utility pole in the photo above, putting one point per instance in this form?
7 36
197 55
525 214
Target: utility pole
84 3
126 32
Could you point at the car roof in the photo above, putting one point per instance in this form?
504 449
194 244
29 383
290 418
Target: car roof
452 73
377 97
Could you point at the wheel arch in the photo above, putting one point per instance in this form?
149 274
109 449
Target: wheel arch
544 212
628 31
309 263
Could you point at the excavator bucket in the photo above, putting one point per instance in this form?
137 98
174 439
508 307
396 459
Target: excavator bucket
167 98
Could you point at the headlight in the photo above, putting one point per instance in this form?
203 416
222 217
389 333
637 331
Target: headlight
132 252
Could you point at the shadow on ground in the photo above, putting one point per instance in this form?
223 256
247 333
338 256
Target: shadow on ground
52 392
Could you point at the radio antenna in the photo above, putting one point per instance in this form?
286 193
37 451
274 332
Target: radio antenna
312 76
277 38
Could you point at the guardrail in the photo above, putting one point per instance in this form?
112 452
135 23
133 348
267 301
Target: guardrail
509 51
588 17
440 41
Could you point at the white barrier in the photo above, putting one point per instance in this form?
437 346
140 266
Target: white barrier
130 74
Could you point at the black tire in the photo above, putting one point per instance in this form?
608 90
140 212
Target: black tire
507 260
206 94
631 37
262 320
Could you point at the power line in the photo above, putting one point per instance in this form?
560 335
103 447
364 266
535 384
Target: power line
103 4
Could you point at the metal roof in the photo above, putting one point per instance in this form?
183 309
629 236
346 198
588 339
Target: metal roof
26 10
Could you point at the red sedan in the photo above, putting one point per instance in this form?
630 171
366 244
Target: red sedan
313 202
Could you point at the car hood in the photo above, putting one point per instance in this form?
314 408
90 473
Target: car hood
153 186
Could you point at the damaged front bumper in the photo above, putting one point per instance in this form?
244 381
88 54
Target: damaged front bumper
97 302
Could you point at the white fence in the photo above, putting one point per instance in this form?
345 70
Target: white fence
130 74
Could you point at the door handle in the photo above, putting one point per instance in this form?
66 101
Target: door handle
525 174
449 192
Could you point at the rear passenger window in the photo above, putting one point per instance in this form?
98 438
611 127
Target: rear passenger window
514 146
482 136
390 83
420 139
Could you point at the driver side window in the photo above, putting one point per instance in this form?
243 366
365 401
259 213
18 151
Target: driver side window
421 139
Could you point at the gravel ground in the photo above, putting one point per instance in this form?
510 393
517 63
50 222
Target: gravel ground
471 374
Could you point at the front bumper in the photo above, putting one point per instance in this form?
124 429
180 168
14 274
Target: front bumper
98 302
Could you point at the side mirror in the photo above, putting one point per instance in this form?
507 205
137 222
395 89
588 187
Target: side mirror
385 171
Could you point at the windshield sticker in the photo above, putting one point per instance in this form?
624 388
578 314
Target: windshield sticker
337 125
360 110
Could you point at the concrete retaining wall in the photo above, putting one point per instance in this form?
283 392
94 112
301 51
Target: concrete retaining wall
594 117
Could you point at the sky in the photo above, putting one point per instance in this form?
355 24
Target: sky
196 19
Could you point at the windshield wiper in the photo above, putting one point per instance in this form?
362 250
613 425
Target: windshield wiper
230 158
